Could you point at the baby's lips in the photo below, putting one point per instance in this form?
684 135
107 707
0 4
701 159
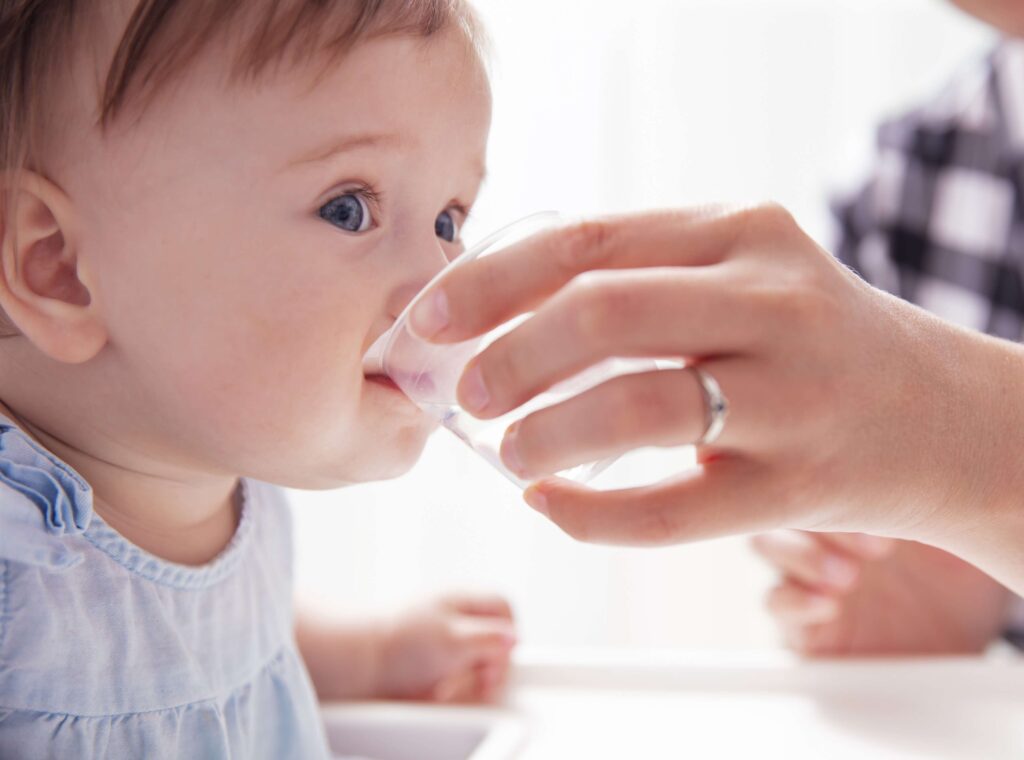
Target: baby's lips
373 359
418 385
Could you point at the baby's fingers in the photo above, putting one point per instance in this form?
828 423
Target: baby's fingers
795 606
484 639
484 605
808 559
464 685
481 682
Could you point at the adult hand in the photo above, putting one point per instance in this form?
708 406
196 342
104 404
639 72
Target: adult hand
850 410
852 594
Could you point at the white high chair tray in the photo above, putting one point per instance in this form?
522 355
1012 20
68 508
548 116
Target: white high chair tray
568 705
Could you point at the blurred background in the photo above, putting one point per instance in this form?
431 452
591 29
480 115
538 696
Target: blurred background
602 107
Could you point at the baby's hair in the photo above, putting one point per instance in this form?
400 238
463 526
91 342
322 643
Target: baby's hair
161 39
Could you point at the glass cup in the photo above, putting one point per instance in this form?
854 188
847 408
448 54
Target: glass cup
428 373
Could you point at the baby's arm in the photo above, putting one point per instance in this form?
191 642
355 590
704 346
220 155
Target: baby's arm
342 658
454 649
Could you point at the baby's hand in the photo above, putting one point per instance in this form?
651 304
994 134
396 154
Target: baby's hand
455 649
851 594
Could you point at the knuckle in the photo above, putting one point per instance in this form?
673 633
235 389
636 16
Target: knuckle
801 300
596 306
771 229
770 217
587 245
586 308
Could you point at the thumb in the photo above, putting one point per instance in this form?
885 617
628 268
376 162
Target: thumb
713 501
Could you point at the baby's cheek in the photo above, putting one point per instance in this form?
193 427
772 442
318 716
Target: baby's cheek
303 376
270 383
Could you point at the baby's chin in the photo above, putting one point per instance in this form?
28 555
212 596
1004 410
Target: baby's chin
380 455
391 462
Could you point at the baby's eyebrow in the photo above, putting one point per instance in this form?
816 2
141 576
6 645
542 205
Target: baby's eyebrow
345 144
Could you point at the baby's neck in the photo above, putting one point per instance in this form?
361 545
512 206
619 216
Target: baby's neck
184 520
193 541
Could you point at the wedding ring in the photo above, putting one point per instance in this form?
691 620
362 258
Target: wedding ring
716 406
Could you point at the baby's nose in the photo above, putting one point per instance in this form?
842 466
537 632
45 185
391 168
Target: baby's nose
419 271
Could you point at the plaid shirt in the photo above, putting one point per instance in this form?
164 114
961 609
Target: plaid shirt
941 221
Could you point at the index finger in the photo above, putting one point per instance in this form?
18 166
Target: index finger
481 294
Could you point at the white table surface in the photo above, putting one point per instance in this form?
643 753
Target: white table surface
598 705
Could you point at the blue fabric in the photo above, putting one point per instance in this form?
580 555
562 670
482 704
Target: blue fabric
108 651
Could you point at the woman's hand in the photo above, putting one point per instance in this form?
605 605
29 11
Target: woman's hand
455 649
853 594
850 410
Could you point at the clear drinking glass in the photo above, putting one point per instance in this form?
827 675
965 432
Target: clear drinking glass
428 373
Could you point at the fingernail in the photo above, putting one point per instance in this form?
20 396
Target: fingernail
430 315
475 397
839 572
510 451
537 500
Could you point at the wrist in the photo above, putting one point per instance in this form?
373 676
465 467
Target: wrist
977 446
343 659
380 655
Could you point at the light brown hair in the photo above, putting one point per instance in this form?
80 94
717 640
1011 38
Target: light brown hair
161 38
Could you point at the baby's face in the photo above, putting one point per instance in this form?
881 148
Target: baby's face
247 245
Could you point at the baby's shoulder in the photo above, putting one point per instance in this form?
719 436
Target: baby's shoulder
45 509
45 506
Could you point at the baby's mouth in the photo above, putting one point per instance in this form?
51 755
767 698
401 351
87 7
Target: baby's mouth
419 384
408 370
373 359
382 380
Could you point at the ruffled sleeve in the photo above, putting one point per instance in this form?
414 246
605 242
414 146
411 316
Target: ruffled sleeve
42 501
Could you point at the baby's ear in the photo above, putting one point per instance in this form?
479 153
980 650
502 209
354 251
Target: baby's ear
44 285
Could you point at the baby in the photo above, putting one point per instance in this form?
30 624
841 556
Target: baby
211 210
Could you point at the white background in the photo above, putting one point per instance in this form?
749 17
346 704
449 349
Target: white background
604 106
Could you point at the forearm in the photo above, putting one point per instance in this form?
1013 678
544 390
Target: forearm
343 658
981 436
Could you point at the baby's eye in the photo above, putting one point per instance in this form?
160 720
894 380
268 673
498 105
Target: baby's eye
350 212
445 226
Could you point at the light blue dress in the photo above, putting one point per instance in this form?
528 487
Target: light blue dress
107 651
